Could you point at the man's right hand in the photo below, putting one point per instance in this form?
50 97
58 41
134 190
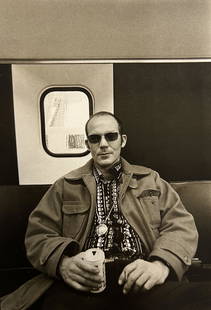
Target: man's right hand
79 274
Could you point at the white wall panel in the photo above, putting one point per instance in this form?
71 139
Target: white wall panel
34 164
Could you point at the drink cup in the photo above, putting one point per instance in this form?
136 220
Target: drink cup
95 257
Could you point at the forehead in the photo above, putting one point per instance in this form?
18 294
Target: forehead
102 124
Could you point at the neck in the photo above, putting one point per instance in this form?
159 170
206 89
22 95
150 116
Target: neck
106 173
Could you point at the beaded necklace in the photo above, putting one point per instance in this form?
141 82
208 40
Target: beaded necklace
102 200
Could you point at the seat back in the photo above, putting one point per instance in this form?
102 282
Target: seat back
196 197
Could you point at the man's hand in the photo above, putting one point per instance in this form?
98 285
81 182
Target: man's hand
141 274
79 274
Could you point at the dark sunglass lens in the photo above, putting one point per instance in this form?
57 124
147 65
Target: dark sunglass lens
111 136
94 138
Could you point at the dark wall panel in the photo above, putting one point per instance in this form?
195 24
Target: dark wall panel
8 157
17 202
166 109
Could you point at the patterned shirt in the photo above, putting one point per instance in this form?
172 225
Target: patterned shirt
110 231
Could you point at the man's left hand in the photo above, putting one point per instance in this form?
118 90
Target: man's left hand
141 274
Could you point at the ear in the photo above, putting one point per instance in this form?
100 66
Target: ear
87 144
124 140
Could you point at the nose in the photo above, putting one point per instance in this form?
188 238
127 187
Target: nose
103 142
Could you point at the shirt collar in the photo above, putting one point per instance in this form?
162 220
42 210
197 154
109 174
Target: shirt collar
116 171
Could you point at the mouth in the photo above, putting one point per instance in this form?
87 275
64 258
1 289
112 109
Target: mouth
103 154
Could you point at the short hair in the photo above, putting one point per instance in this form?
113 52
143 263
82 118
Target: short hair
104 113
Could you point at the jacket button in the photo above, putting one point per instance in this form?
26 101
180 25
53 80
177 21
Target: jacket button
187 259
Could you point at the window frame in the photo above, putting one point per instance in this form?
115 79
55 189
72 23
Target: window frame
42 116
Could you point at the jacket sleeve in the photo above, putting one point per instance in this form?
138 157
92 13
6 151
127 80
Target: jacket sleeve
178 236
44 241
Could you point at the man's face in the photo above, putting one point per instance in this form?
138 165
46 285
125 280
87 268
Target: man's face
105 153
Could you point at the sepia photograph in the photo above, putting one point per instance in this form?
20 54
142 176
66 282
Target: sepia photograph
105 154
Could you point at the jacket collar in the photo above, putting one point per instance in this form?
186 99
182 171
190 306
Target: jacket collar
128 169
80 172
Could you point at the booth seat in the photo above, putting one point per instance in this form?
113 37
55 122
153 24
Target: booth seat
17 202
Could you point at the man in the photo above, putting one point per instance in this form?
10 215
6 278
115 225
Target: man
130 213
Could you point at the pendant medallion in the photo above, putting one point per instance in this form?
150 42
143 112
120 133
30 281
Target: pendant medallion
101 229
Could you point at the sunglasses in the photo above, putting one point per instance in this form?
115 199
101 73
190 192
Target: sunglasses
110 136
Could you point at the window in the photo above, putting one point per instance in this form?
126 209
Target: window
64 113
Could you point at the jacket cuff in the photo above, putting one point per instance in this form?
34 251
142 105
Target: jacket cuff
68 248
71 249
172 260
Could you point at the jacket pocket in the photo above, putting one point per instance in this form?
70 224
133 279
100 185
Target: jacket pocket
150 202
75 214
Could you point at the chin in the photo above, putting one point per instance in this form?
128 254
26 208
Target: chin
105 163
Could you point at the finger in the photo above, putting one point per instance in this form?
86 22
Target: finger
79 266
131 280
82 277
92 283
86 267
149 284
77 285
86 274
140 282
125 272
122 278
89 280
